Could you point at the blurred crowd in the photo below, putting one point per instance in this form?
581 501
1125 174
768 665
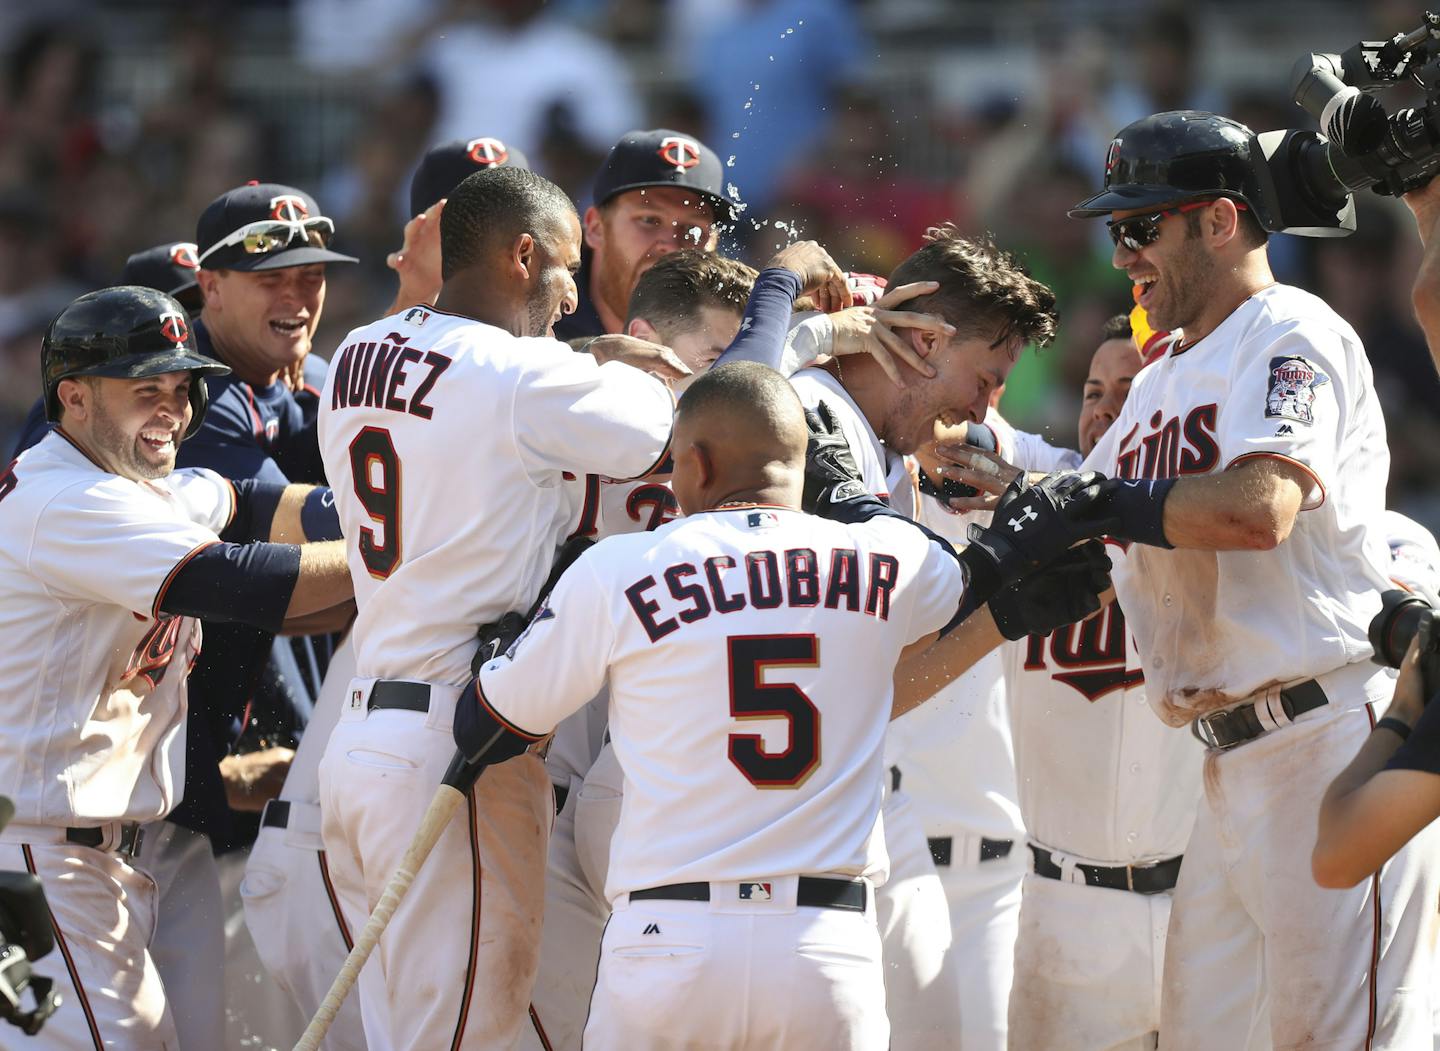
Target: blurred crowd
855 122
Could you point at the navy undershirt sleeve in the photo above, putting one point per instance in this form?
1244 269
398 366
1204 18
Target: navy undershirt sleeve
1421 750
767 319
246 583
255 504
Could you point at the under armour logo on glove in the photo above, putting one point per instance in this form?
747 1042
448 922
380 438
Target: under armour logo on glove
1018 524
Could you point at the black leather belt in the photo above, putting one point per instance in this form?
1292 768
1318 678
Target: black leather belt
397 693
562 793
131 837
894 779
1235 726
813 891
1142 879
942 849
276 815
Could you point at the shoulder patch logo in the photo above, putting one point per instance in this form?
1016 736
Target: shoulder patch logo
1293 383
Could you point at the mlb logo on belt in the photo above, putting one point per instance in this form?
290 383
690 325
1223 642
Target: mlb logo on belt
755 892
356 699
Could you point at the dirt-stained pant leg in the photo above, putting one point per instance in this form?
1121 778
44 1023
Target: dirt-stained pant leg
104 913
1341 968
1087 968
457 962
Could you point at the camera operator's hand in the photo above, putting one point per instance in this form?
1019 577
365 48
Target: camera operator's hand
1409 699
1424 204
1425 295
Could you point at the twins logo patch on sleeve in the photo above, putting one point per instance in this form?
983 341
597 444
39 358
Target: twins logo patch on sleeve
1293 383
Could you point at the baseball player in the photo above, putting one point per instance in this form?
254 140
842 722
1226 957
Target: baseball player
658 191
742 867
1250 466
95 747
471 408
1108 796
882 424
291 908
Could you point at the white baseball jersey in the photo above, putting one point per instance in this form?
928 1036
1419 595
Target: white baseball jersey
446 441
750 654
882 470
1029 451
95 709
1414 556
1285 377
1100 778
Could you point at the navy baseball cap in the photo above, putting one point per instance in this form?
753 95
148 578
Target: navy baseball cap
445 167
169 268
664 158
264 226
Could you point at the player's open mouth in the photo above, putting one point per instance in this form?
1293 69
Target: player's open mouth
287 327
158 441
1144 286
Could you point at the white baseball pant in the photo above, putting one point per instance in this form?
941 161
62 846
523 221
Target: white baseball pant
1087 967
1259 956
984 901
732 974
104 912
189 943
457 962
922 984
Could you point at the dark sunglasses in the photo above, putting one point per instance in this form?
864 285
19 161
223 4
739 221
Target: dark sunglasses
1140 230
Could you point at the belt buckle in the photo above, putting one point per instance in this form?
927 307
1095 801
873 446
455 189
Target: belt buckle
1130 878
1200 729
132 835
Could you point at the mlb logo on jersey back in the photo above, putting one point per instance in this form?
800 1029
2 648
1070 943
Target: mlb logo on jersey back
417 316
761 520
755 892
1293 383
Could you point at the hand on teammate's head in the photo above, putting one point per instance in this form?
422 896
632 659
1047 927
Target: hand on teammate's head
873 330
819 275
418 259
659 361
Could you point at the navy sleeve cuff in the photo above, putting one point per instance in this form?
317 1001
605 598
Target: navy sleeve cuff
255 504
243 583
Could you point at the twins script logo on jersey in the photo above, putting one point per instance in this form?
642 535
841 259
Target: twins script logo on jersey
1090 656
288 209
1171 447
681 152
1293 383
152 656
184 254
487 152
174 327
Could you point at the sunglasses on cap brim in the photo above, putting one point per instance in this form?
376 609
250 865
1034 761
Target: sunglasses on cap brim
269 235
1140 230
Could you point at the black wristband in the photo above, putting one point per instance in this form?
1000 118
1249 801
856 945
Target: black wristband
1394 726
1140 506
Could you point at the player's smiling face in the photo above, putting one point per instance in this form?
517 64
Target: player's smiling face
638 228
130 427
262 321
968 372
1111 371
555 263
1175 272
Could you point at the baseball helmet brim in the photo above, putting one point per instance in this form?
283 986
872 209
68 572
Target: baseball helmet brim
1123 198
139 366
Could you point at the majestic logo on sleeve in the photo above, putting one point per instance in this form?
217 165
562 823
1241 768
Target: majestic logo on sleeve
1293 383
288 208
681 152
174 327
487 152
1089 657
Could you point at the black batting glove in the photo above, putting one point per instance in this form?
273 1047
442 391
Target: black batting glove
1061 593
833 488
1033 525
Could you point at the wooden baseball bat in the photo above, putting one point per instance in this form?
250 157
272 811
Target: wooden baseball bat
448 798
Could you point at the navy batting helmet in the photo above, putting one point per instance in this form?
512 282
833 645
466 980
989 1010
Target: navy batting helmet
128 332
1168 157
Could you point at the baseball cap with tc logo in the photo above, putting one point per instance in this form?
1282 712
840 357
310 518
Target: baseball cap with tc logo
664 158
445 167
264 226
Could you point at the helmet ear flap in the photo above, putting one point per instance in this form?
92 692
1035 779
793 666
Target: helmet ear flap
199 399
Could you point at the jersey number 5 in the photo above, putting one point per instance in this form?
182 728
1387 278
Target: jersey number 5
753 698
375 475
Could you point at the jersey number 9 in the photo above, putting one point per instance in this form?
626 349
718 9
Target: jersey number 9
375 475
752 698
